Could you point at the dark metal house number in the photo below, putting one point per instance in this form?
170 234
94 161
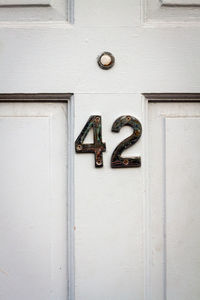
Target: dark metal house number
117 161
98 147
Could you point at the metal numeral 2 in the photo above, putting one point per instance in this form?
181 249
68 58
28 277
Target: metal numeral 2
98 146
116 160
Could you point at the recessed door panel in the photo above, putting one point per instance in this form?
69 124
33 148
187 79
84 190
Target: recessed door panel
174 145
33 227
34 10
182 12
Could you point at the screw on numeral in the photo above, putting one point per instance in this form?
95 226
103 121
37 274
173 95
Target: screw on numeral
99 162
97 119
125 162
79 147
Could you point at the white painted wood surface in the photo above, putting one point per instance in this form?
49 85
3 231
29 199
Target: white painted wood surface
33 178
109 225
174 201
156 50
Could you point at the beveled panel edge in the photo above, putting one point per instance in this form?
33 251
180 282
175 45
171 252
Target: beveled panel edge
163 3
36 97
179 5
172 97
23 5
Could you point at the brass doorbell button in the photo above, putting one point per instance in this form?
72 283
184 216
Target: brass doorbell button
106 60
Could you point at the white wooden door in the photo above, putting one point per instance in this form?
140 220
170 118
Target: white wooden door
51 47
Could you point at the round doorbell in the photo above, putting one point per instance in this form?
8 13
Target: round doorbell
106 60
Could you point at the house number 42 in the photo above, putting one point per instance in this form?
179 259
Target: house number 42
98 147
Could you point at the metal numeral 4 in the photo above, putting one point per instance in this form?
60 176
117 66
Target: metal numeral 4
98 147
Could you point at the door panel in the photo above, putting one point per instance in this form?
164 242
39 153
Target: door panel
174 161
33 225
34 10
171 12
